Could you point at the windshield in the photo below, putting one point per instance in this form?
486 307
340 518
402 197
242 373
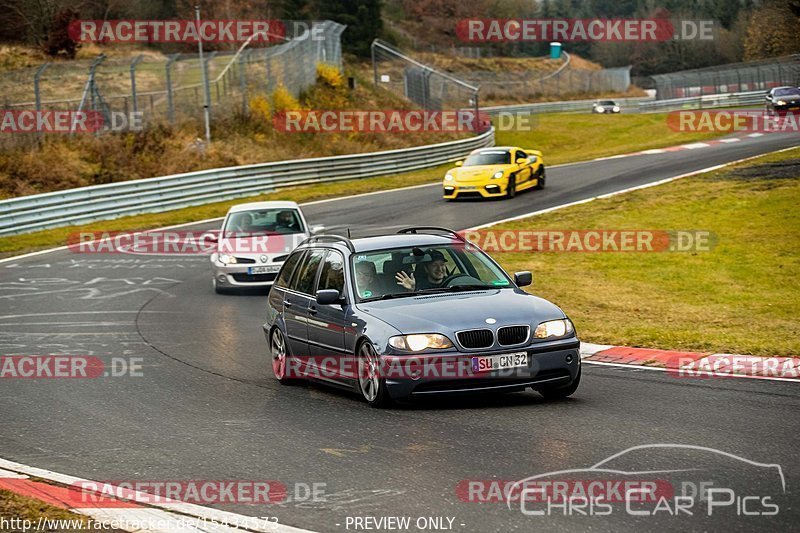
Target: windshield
787 92
262 222
607 103
399 272
496 157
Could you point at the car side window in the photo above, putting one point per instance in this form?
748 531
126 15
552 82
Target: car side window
332 274
305 281
288 269
521 155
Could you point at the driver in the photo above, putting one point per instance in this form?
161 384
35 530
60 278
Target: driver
432 273
285 219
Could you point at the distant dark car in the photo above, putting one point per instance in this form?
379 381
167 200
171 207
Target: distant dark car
605 107
783 99
456 323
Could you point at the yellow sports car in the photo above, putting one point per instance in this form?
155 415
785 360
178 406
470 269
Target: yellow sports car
492 172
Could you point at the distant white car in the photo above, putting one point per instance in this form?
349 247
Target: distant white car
254 241
605 106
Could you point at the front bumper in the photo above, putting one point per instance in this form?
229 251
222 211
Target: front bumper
238 275
793 107
549 364
453 189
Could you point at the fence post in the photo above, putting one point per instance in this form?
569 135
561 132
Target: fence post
374 64
37 93
133 81
170 104
88 89
243 80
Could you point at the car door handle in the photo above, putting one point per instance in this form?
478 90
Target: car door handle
287 303
312 310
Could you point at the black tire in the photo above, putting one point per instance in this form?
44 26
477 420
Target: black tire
541 178
511 190
279 354
559 393
370 383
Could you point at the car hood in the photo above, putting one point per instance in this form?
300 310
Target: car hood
477 173
447 313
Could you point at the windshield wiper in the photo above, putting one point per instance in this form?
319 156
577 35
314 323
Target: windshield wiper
390 296
472 287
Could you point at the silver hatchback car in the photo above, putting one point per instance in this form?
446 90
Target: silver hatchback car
253 243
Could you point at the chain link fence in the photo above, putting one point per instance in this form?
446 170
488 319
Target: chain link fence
170 88
564 82
421 84
433 89
731 78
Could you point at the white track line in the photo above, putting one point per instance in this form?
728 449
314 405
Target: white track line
187 509
197 223
700 378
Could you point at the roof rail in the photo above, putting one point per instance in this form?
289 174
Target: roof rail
416 229
336 238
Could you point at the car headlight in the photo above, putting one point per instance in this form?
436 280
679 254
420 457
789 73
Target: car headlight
600 109
553 328
781 102
498 174
615 109
420 341
448 177
226 259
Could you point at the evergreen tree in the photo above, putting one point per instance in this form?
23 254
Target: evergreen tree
362 17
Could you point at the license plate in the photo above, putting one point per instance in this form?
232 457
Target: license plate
271 269
468 188
499 362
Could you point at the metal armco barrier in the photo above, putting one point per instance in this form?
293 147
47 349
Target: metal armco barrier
579 106
154 195
707 101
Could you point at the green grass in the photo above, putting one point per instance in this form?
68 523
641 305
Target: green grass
567 137
740 297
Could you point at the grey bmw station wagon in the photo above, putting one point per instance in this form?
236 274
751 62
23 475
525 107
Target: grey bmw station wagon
421 312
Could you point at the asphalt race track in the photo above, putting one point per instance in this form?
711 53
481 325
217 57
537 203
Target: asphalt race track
207 407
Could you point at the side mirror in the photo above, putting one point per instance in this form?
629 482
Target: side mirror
533 159
521 161
316 229
523 279
459 163
328 297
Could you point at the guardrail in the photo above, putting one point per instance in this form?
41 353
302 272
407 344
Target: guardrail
707 101
567 106
154 195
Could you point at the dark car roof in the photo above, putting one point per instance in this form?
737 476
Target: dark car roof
368 244
397 241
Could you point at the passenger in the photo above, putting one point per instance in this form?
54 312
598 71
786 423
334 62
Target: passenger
241 224
368 284
433 273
